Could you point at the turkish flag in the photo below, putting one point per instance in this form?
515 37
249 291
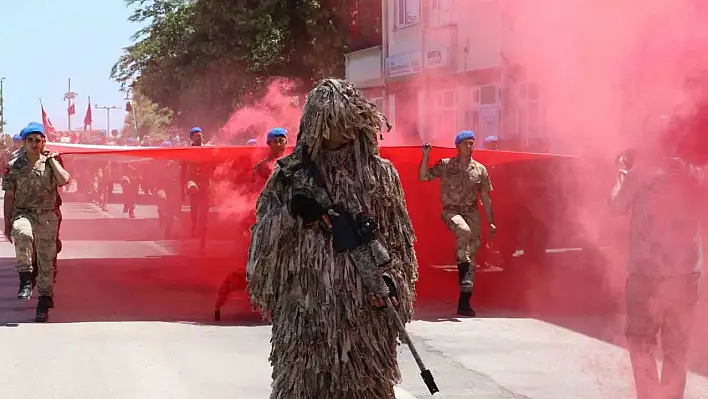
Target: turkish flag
72 109
48 127
88 119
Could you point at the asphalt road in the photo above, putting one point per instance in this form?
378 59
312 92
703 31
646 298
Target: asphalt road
134 321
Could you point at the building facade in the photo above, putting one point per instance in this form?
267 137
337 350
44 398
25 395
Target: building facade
446 66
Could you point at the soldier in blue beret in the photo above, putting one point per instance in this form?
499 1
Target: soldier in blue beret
31 214
196 182
464 182
277 140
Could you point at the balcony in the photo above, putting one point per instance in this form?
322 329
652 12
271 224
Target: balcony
364 67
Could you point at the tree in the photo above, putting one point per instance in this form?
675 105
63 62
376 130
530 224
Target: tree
202 59
152 120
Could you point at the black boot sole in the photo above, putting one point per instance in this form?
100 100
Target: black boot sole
41 318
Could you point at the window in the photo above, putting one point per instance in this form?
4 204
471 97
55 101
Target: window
445 114
406 12
531 114
442 4
379 102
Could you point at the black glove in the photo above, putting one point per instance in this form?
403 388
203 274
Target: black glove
307 208
393 291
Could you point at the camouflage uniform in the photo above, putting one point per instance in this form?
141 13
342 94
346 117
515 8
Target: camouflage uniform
103 185
130 184
35 218
237 280
665 264
263 170
196 178
459 192
169 198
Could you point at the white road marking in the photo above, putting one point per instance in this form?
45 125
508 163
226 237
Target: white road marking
160 248
402 394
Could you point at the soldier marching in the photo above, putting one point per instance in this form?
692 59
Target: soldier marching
31 212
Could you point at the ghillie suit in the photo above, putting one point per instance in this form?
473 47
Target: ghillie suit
328 341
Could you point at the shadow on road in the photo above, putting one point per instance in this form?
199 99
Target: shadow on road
164 289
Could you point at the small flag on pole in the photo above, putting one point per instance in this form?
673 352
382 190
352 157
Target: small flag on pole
88 119
46 122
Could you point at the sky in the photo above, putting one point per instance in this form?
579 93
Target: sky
43 43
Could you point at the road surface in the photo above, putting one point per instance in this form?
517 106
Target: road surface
133 322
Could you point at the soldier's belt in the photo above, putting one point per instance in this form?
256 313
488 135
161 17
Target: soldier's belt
34 211
461 209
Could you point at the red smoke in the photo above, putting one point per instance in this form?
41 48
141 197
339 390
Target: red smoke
279 107
601 68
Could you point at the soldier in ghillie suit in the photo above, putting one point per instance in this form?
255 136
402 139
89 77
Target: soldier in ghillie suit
330 336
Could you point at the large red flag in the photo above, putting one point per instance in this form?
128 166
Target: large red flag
88 119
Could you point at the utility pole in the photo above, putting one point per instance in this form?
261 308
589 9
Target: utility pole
130 108
2 107
108 109
69 96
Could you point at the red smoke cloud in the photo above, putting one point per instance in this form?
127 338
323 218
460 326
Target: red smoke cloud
602 66
279 107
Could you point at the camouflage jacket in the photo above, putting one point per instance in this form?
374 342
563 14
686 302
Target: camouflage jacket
35 186
460 188
665 232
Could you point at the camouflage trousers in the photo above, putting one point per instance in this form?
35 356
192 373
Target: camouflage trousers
36 229
235 281
130 188
35 264
467 228
660 306
198 208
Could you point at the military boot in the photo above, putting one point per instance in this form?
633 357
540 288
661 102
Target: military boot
463 305
43 306
25 291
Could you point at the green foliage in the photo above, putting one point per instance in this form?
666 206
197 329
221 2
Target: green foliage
152 120
204 58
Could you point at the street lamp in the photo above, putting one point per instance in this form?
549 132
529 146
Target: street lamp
130 109
108 109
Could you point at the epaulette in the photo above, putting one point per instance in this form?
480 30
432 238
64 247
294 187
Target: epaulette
258 165
16 162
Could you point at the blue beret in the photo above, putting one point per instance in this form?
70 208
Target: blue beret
464 135
276 132
195 130
491 139
18 136
166 144
251 142
33 128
